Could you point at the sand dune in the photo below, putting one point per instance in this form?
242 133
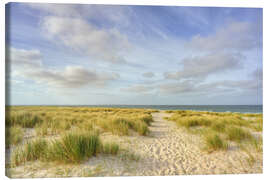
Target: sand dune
167 150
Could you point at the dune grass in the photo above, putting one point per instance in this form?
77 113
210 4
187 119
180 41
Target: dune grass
193 121
218 126
215 142
14 135
238 134
73 147
235 127
49 120
77 130
29 152
72 133
23 119
110 148
121 124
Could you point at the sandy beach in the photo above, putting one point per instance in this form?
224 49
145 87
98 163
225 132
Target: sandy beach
94 90
167 150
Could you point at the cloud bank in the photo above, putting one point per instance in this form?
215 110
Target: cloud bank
82 37
203 66
235 36
28 64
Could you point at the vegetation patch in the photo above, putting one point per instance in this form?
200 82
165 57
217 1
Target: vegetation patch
236 127
238 134
215 142
110 148
30 151
23 119
74 147
14 135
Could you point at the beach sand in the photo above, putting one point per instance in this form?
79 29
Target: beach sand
167 150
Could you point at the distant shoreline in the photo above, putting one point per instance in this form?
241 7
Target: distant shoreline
209 108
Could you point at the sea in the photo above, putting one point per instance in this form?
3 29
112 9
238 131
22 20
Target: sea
211 108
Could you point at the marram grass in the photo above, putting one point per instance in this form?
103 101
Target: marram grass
23 119
235 127
61 119
72 147
238 134
215 142
110 148
31 151
14 135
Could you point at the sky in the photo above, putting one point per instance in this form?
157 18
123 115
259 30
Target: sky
80 54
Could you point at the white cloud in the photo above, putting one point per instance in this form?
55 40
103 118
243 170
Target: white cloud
24 58
202 66
69 77
190 87
79 35
175 88
234 36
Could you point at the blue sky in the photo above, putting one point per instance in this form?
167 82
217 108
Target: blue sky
102 54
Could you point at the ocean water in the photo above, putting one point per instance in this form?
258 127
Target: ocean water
212 108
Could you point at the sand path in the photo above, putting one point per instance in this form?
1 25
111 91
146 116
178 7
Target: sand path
165 151
169 150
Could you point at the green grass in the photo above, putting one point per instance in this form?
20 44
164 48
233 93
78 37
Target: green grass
257 143
74 147
215 142
238 134
219 126
14 135
147 119
193 121
110 148
29 152
61 119
141 128
122 125
23 119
